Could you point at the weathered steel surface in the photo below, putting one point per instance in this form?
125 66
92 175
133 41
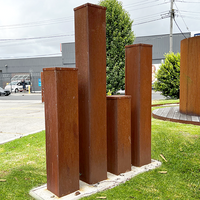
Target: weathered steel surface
119 133
190 76
138 77
90 45
42 86
62 136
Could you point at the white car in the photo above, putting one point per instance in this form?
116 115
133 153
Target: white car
16 86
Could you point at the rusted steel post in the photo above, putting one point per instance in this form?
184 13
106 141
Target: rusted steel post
190 76
90 45
119 133
62 137
138 75
42 86
183 76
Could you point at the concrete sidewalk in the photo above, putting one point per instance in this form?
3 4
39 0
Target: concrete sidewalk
20 118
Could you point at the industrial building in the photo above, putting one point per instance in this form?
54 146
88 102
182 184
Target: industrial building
161 44
34 66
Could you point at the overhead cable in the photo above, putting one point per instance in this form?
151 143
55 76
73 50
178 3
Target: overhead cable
32 56
34 38
182 17
179 28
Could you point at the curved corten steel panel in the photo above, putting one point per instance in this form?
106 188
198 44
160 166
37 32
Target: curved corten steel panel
190 76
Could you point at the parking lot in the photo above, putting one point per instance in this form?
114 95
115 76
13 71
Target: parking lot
20 117
22 114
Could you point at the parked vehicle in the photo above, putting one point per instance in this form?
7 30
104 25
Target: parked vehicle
4 92
27 84
13 86
16 86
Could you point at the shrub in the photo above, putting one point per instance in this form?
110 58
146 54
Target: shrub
118 35
168 76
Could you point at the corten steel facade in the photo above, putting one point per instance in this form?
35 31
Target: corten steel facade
90 45
138 69
190 76
62 135
119 133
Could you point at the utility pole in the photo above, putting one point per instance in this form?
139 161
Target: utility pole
171 27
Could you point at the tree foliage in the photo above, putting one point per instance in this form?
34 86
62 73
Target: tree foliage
118 35
168 76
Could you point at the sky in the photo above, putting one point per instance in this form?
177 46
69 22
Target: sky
36 28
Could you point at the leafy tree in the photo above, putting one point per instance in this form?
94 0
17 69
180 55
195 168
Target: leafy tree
118 35
168 76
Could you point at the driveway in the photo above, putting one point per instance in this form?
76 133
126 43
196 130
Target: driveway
19 118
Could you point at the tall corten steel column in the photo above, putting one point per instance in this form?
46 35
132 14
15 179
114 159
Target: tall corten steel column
42 87
62 137
90 45
190 76
138 75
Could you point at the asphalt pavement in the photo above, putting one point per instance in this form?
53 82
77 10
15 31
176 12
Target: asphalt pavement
22 114
20 117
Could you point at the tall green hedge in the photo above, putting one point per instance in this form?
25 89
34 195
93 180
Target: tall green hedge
168 76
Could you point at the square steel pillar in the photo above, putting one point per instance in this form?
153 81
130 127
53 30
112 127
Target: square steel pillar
42 86
62 135
119 133
138 84
90 46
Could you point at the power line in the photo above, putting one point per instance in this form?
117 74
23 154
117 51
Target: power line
147 22
150 16
153 38
140 3
188 1
189 11
148 6
182 17
38 23
179 28
35 38
32 56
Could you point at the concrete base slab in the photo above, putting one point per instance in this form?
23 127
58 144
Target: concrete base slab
41 193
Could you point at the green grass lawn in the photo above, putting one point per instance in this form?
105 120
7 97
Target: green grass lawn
22 166
170 101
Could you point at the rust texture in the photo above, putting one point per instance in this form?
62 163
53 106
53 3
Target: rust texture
62 136
138 75
42 86
119 133
90 45
190 76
